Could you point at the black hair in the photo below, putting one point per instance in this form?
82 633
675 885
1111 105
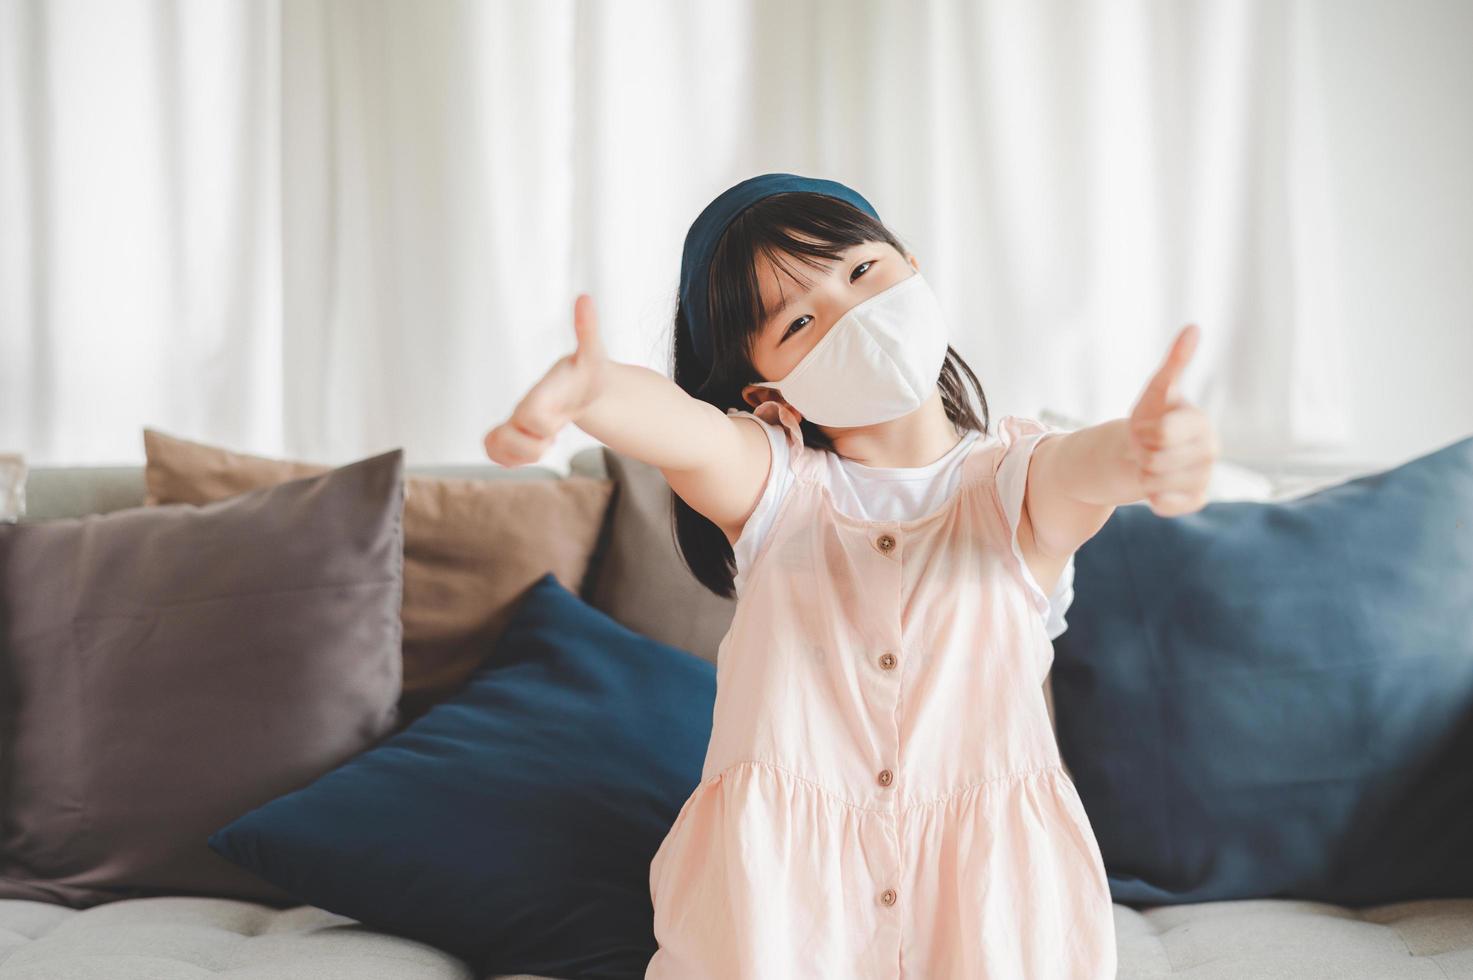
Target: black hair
809 227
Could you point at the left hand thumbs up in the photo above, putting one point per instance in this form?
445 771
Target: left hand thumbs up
1172 442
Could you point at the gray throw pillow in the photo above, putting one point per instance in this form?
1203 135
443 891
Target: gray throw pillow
164 670
639 577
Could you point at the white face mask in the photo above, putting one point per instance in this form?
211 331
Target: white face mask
879 362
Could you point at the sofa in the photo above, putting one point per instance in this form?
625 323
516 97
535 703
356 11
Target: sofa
186 936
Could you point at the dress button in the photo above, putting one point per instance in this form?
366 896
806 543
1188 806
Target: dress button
888 896
887 661
886 777
886 543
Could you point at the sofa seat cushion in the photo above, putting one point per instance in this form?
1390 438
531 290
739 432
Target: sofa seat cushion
178 937
1430 939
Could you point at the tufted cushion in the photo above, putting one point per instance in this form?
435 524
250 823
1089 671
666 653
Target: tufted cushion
180 938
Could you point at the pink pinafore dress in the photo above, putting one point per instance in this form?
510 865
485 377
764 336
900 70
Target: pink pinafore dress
883 796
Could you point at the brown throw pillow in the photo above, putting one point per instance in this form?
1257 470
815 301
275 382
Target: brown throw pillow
164 670
471 547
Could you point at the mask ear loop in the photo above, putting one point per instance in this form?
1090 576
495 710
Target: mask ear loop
944 345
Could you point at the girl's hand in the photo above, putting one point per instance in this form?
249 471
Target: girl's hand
560 397
1172 442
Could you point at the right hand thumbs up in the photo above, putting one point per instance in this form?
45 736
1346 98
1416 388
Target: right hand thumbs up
568 387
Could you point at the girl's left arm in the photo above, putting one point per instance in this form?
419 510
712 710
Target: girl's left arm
1162 452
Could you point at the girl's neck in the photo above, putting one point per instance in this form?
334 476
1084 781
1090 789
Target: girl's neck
913 440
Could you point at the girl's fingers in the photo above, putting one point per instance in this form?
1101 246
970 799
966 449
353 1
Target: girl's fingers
510 445
1189 478
553 401
1179 425
1174 503
1174 458
537 413
534 421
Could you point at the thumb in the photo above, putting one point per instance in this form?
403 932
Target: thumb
1160 391
585 326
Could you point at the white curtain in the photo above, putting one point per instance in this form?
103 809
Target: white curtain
324 228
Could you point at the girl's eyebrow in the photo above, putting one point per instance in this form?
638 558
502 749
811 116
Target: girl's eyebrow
794 297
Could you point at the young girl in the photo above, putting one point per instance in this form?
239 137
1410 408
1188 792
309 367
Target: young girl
882 795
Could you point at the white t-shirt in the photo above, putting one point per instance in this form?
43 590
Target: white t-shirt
895 493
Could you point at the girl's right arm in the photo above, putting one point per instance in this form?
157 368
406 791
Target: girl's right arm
716 462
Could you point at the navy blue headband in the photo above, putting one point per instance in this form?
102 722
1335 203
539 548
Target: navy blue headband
700 241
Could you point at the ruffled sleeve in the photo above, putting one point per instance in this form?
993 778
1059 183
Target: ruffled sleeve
1019 436
777 413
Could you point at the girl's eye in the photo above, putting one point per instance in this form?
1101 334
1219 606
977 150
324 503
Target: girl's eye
795 325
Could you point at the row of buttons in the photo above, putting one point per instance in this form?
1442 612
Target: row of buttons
886 544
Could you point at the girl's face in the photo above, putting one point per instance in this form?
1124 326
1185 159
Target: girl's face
801 313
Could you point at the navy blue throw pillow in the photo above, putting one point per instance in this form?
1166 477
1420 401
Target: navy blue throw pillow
514 824
1275 699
